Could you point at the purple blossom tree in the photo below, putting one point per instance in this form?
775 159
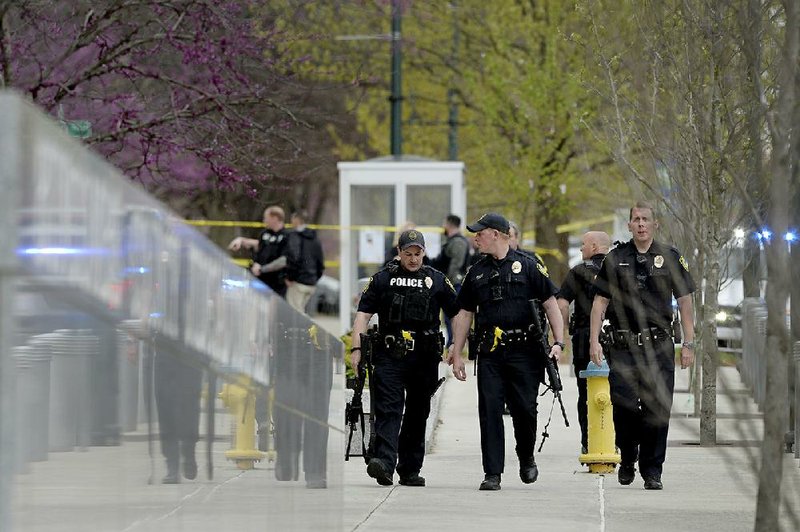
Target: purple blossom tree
185 96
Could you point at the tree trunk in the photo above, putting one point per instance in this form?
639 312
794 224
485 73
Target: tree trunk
710 354
547 238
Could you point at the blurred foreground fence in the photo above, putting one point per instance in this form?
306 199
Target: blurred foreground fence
753 366
112 314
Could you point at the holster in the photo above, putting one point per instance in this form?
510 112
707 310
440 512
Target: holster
368 340
607 338
472 346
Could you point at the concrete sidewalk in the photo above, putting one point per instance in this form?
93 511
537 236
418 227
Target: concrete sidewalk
704 488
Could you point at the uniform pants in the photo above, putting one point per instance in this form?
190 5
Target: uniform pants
177 391
642 380
402 389
303 380
507 376
580 359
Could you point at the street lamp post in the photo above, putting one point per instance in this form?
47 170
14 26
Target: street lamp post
396 98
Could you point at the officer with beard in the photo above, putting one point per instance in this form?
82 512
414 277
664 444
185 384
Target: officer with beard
408 297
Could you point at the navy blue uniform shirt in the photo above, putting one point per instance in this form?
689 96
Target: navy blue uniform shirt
579 287
411 300
498 291
640 286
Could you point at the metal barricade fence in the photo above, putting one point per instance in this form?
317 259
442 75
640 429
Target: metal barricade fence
122 301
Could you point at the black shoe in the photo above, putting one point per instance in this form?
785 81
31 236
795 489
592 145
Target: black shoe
316 484
190 468
626 474
378 471
528 472
653 483
584 449
171 478
490 483
412 480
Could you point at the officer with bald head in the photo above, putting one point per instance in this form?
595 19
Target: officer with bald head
578 290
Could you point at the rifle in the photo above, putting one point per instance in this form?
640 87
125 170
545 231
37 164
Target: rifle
354 410
552 370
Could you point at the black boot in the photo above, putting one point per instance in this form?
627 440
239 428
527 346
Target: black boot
169 448
626 474
490 483
528 472
378 471
189 461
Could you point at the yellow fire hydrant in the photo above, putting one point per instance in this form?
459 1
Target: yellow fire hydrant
602 456
241 401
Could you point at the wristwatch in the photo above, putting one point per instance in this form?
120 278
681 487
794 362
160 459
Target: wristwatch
562 345
353 349
688 345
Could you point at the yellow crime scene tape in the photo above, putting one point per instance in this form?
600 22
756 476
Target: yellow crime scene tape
564 228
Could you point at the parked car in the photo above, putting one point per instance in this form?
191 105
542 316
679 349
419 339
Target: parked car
325 299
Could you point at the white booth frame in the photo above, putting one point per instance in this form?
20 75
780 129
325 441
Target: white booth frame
401 174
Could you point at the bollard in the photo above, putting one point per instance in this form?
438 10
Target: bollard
602 456
39 358
24 409
241 401
128 352
70 398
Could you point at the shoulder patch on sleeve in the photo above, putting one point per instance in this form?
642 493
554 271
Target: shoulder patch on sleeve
683 263
367 285
542 269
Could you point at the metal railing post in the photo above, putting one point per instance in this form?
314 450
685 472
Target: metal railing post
12 155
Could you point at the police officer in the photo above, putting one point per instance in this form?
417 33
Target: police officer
269 250
638 279
453 259
408 298
578 287
270 266
497 292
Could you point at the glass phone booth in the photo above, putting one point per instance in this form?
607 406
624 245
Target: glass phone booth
376 198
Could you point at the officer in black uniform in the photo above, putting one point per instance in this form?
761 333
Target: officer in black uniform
269 250
579 288
497 291
638 279
408 298
453 259
270 266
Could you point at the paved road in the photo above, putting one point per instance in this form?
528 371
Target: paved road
106 489
704 488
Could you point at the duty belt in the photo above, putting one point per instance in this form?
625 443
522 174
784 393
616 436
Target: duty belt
401 342
651 335
491 338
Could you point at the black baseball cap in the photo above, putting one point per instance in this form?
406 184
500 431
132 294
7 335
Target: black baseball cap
490 220
409 238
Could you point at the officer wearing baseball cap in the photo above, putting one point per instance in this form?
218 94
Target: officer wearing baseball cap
490 220
410 238
408 297
496 293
